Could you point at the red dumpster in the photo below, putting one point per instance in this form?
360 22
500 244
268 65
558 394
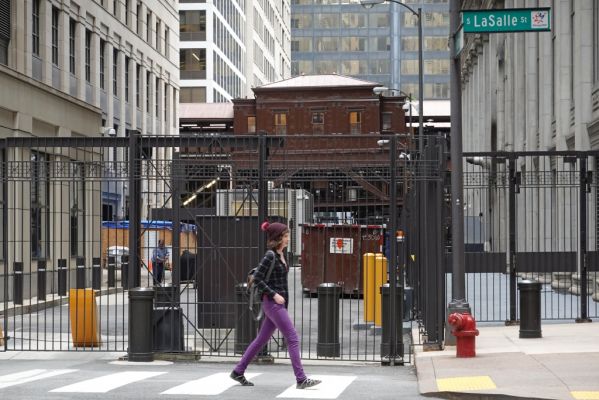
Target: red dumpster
333 254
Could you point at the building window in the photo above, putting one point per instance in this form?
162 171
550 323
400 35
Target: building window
115 65
281 123
139 20
572 42
158 37
149 28
318 123
88 56
3 178
55 15
192 63
72 29
148 77
35 27
386 121
355 122
251 124
40 199
166 44
157 100
127 79
137 83
165 100
192 95
4 30
127 11
192 25
102 63
77 206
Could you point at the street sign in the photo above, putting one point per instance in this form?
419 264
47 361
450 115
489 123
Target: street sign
507 20
458 43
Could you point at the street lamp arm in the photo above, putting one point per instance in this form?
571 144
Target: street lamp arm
370 3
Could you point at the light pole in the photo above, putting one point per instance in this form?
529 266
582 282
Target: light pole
372 3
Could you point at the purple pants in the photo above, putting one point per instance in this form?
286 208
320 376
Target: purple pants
275 317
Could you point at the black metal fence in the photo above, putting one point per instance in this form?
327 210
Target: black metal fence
82 219
531 215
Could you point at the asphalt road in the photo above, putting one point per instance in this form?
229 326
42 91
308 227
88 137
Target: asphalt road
69 376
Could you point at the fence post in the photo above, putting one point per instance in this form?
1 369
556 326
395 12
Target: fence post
112 271
134 278
584 182
512 238
262 191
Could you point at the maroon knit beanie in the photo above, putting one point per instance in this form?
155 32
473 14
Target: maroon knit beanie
274 230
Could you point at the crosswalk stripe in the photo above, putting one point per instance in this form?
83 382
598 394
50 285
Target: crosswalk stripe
30 376
330 388
209 385
107 383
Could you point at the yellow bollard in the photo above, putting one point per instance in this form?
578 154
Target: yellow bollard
84 320
380 278
368 289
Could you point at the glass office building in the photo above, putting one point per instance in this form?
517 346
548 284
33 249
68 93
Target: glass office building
379 44
229 46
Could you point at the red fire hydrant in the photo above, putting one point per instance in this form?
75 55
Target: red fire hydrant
464 329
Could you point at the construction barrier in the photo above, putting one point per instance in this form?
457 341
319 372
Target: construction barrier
84 318
374 276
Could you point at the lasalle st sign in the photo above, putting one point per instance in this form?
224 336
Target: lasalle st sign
507 20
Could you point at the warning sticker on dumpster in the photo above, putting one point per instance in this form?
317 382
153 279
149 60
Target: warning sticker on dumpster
341 246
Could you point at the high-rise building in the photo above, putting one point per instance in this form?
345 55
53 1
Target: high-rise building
229 46
379 44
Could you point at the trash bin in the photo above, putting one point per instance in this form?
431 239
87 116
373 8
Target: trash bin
333 253
328 320
386 322
246 328
140 324
167 319
530 309
187 261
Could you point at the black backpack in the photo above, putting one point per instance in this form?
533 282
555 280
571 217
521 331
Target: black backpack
254 295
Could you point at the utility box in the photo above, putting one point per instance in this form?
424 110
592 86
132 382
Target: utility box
333 253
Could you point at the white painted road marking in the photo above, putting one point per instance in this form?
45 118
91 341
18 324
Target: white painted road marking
30 376
107 383
330 388
210 385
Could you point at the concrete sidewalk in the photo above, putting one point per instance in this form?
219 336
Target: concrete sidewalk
563 364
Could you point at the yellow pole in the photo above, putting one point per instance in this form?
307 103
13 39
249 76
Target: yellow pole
380 278
368 289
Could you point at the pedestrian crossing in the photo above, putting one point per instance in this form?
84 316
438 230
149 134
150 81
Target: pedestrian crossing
214 384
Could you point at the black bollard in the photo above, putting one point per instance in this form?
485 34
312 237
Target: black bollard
386 317
80 273
41 280
62 277
140 324
246 327
530 309
328 320
167 319
18 283
111 271
124 268
96 273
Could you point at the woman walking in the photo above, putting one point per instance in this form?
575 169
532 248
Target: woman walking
275 298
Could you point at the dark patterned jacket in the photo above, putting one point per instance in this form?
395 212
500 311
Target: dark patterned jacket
277 282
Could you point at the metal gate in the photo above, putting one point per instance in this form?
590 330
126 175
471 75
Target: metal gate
99 207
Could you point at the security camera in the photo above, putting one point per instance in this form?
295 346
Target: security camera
107 130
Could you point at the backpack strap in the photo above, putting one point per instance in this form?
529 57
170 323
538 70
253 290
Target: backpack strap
272 265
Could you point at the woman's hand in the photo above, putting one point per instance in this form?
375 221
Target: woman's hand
279 299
